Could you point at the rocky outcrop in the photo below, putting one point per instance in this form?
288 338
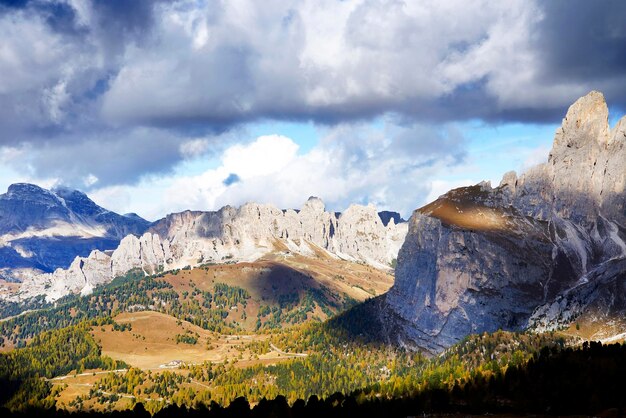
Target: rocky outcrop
146 253
361 234
585 172
229 234
598 298
482 258
46 229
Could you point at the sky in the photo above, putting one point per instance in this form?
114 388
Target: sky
156 107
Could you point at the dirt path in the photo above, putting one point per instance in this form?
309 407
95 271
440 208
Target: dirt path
86 374
283 353
19 314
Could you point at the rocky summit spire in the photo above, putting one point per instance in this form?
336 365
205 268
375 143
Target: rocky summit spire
585 124
587 163
481 259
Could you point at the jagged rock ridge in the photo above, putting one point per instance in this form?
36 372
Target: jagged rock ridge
482 258
232 234
46 229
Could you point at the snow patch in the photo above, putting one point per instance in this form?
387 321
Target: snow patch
58 229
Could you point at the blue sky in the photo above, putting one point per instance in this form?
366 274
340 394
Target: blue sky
159 106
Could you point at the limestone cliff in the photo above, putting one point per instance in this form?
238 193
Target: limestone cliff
232 234
482 258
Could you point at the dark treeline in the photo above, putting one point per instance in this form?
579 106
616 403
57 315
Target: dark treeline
589 380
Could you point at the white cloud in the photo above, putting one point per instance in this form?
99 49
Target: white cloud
117 198
194 147
11 154
267 155
185 69
394 167
131 93
440 187
535 156
351 164
90 180
55 98
238 60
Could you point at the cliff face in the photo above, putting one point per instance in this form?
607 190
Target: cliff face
481 258
253 229
231 234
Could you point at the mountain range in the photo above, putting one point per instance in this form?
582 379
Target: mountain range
189 238
542 250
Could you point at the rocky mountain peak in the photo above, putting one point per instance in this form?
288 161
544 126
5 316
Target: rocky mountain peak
79 202
586 169
585 124
27 206
30 192
314 205
479 259
509 179
46 229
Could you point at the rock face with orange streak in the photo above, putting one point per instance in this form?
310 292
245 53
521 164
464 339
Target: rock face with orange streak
482 258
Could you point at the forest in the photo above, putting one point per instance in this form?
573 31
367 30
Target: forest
347 367
24 372
555 381
134 291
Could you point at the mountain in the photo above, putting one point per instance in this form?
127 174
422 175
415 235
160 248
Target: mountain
46 229
538 250
232 235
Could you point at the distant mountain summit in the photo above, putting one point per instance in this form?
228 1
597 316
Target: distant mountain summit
46 229
539 250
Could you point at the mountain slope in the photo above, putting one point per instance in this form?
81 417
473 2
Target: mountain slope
482 258
274 291
46 229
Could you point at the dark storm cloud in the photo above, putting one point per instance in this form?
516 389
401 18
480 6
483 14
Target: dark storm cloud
61 17
121 18
232 84
125 17
584 40
56 65
13 4
120 22
71 72
111 158
585 43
